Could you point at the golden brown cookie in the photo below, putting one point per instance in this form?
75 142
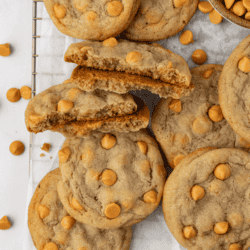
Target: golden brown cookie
51 227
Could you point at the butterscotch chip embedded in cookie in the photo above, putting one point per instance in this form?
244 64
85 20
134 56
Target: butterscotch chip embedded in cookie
119 186
219 219
56 230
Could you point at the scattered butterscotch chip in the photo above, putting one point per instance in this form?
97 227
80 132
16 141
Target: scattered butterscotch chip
239 9
201 125
247 15
215 113
4 223
222 172
221 227
43 211
112 210
65 105
244 64
68 222
189 232
60 11
5 49
64 154
16 147
42 155
178 158
25 92
51 246
215 17
150 197
179 3
143 146
229 3
13 94
246 4
114 8
175 105
205 7
46 147
111 42
186 37
133 57
75 204
109 177
235 247
199 56
197 192
108 141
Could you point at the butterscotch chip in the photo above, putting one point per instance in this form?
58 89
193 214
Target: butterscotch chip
64 154
91 16
133 57
65 106
4 223
5 49
235 220
179 3
197 192
114 8
215 17
235 247
206 74
43 211
112 210
68 222
189 232
222 171
221 227
244 64
108 141
109 177
247 15
201 125
150 197
246 4
175 105
215 113
25 92
239 9
16 147
51 246
143 146
186 37
36 118
60 11
13 95
42 155
73 94
199 56
46 147
229 3
111 42
178 158
76 205
205 7
169 65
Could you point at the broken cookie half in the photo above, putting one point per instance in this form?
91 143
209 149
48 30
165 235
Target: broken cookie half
67 109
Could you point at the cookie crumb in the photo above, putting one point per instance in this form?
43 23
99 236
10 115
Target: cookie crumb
42 155
46 147
50 157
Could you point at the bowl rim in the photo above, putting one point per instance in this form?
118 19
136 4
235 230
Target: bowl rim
230 16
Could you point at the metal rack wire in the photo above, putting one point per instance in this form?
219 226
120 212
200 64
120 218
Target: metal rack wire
33 63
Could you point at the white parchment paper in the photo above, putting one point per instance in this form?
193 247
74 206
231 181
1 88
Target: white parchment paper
217 40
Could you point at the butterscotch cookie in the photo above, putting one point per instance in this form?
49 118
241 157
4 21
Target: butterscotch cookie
157 20
130 57
206 200
234 91
182 126
51 227
94 20
67 109
111 180
90 79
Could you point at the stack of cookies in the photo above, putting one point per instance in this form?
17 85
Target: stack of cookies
111 174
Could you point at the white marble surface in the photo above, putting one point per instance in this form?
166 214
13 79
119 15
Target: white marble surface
15 25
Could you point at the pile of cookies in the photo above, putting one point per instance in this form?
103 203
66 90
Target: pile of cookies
111 173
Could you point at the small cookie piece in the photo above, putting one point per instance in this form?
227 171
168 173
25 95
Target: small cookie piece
158 19
51 228
65 108
13 94
93 20
130 57
5 49
46 147
16 148
219 219
199 122
115 186
25 92
234 91
5 223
